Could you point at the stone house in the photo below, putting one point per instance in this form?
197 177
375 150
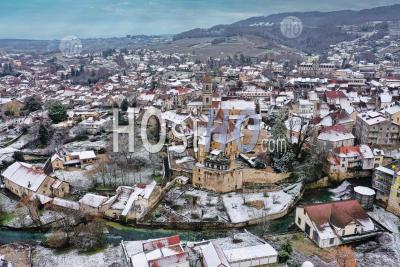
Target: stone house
91 204
334 137
131 203
334 223
25 179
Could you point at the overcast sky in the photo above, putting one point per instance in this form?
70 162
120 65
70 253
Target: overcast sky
55 19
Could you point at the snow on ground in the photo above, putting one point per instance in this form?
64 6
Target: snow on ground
387 219
184 159
83 179
21 142
86 145
7 204
385 251
77 178
111 256
240 207
21 218
191 205
51 216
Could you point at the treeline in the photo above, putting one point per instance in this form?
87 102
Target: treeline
82 76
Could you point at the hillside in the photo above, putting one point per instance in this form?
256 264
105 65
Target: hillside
320 29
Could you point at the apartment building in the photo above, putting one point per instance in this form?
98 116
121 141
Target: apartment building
374 128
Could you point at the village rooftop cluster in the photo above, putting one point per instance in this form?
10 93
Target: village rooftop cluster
332 117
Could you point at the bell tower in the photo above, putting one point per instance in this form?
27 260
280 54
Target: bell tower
207 93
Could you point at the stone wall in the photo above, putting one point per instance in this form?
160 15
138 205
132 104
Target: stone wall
338 177
321 183
263 176
232 180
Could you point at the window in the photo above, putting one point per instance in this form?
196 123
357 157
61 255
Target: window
299 221
331 241
343 232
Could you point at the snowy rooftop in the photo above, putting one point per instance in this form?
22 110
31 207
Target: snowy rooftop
372 117
92 200
25 175
385 170
335 136
213 255
172 116
66 203
364 190
89 154
247 253
238 104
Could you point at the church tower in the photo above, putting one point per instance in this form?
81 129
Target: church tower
207 93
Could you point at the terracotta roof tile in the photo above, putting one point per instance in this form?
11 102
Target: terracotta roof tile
339 213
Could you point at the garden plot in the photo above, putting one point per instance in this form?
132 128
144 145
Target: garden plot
190 205
245 207
111 256
387 219
77 178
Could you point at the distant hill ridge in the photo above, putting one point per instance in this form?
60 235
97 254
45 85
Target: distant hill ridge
319 27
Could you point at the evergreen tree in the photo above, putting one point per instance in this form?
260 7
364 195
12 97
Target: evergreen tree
32 104
124 105
57 112
43 135
18 156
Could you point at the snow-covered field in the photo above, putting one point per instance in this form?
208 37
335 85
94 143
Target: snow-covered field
111 256
192 205
240 209
387 219
384 252
180 201
86 145
7 204
77 178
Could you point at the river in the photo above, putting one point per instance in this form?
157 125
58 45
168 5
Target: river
118 232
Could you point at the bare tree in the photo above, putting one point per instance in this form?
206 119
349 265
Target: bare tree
344 256
300 126
33 207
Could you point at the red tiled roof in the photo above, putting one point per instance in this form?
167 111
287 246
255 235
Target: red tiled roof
347 149
182 90
339 213
335 94
160 243
335 128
